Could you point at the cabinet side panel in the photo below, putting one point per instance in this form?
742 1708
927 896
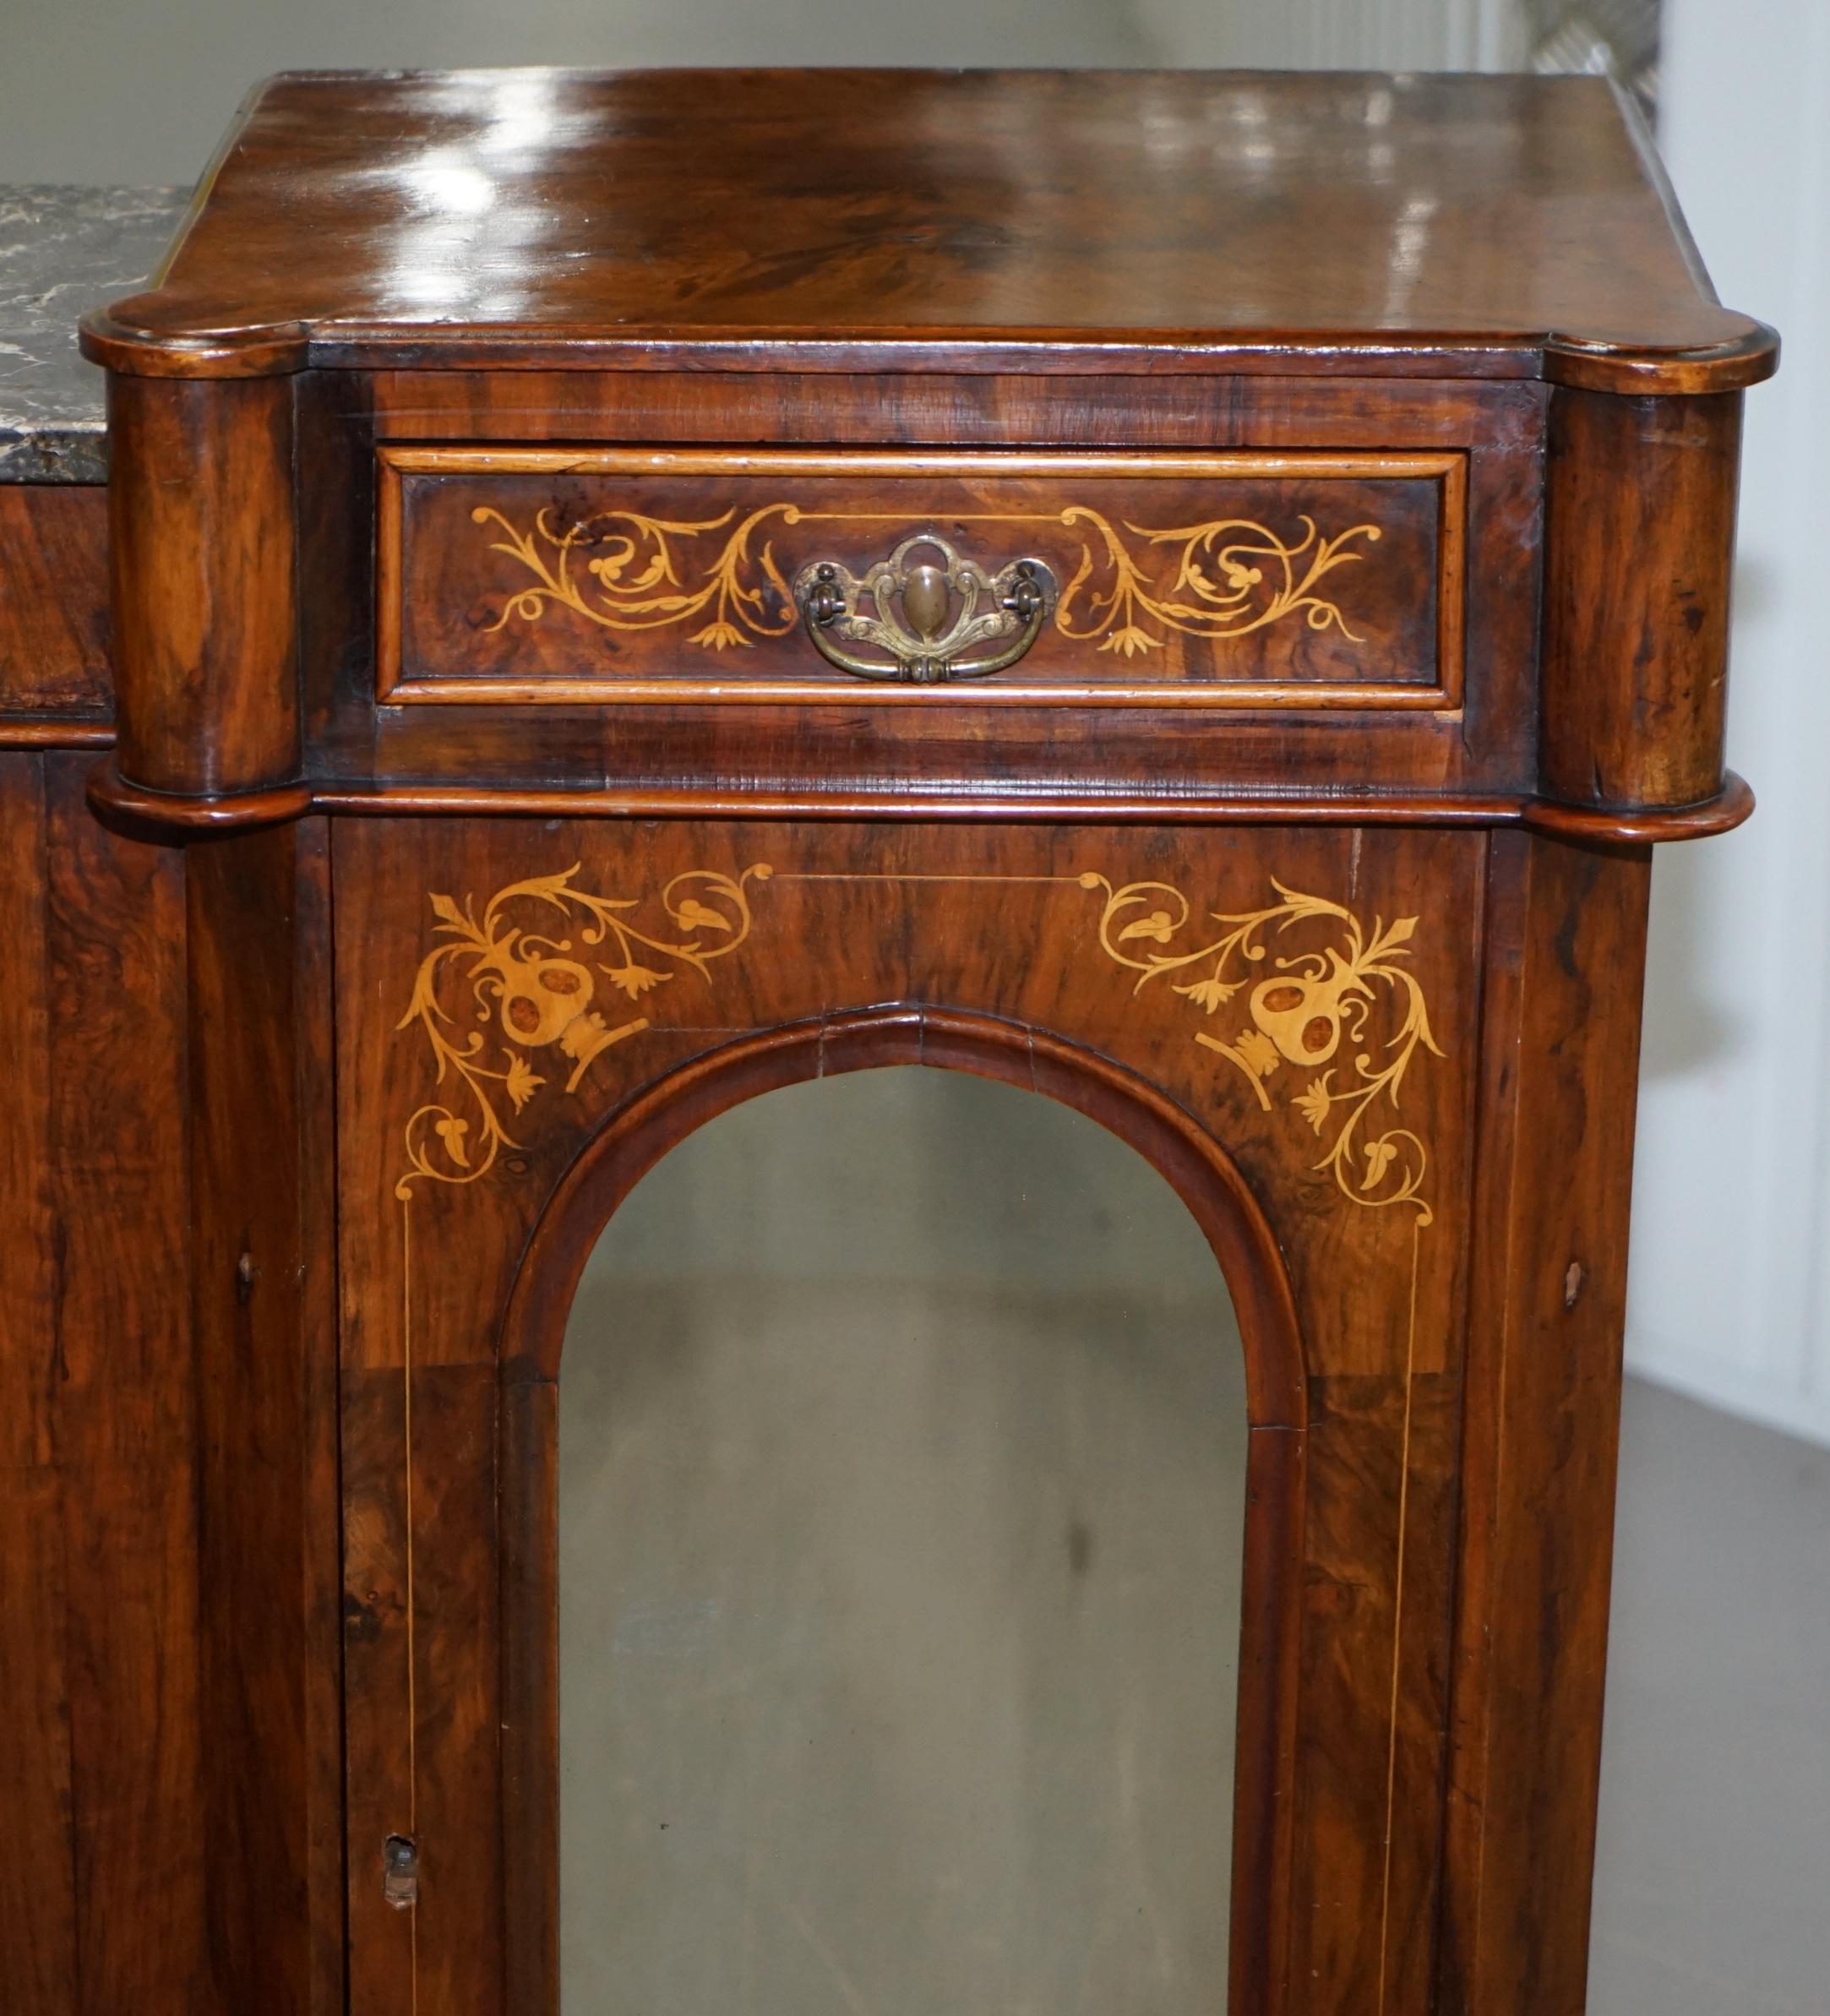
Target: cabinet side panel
54 611
1560 1049
124 1413
263 1297
37 1892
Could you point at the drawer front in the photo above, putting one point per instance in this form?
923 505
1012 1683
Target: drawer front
1257 581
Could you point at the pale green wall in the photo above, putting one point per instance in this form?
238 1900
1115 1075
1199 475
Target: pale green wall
138 90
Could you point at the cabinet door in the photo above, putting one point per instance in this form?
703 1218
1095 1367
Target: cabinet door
758 1605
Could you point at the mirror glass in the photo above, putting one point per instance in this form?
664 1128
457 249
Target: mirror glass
901 1499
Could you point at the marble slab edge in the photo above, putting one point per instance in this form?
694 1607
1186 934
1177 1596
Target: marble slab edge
64 250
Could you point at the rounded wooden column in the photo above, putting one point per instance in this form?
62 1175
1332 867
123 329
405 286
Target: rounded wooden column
1640 496
201 537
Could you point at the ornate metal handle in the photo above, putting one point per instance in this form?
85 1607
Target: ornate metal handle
929 619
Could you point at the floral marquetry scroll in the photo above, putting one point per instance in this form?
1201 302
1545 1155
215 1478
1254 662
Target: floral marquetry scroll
1299 996
1337 1005
1130 583
547 974
524 574
626 571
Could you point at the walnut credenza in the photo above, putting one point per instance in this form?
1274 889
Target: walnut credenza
1194 595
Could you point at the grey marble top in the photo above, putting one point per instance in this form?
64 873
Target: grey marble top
63 251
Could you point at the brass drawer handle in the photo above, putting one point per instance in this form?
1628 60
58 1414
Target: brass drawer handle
929 619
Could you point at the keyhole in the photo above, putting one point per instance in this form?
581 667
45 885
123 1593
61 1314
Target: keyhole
400 1871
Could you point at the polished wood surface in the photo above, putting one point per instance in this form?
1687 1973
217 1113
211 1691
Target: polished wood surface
845 739
355 745
263 1323
199 500
1547 1306
54 675
549 575
300 1199
105 1857
1639 548
1288 221
999 928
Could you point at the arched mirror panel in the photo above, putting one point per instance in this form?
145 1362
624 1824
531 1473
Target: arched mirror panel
901 1498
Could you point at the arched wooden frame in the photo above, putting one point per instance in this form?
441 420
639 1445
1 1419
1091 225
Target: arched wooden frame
624 1150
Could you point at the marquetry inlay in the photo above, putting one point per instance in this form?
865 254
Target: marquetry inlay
1306 1008
525 972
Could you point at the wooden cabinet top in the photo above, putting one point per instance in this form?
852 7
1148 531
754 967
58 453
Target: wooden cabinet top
1464 226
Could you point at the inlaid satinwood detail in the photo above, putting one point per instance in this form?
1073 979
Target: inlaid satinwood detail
1299 1012
635 574
1222 578
524 991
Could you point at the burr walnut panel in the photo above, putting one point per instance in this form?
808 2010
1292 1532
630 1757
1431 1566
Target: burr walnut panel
1285 1021
1251 579
1317 496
